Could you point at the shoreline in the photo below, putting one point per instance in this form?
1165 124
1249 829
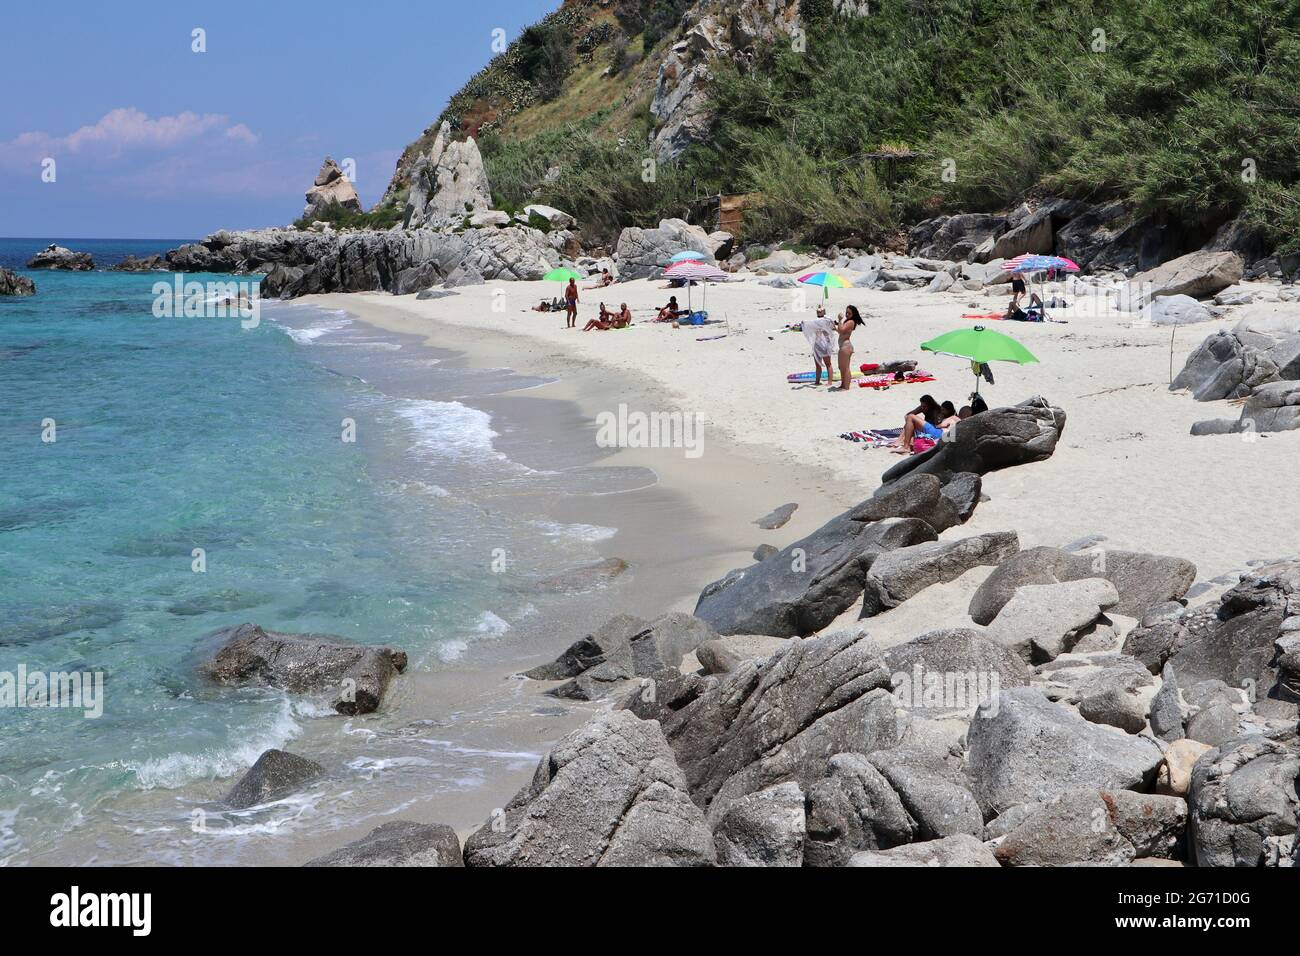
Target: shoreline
708 504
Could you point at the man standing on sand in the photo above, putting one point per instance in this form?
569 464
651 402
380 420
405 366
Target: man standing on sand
571 304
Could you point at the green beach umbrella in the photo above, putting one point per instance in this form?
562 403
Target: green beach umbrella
980 346
560 275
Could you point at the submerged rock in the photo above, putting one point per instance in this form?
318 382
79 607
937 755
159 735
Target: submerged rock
276 774
357 675
399 843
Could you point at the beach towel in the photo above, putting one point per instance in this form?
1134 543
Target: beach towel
820 334
874 437
887 381
985 316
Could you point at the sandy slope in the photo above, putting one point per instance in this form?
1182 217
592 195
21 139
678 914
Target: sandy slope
1127 466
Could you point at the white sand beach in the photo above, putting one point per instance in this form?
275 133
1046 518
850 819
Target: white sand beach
1126 468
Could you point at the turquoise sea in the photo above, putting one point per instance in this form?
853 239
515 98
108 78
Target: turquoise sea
181 436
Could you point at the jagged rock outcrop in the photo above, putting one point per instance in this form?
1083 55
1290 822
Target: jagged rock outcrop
59 257
763 725
12 284
276 774
448 184
331 188
355 675
398 843
1232 364
398 261
762 829
955 238
608 794
712 30
998 438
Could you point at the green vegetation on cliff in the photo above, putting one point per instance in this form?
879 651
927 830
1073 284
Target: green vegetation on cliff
1186 109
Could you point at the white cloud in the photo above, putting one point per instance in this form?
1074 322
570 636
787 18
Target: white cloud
124 130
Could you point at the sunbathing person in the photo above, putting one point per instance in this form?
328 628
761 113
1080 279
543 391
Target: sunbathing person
623 318
604 281
603 323
922 421
671 311
544 306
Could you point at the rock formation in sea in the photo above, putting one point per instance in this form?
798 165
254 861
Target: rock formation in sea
12 284
58 257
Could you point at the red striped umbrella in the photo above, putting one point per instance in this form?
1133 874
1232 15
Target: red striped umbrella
695 272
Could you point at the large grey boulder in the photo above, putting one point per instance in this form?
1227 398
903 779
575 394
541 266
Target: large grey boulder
449 184
807 584
1028 749
1142 580
643 253
12 284
1036 232
960 850
608 794
919 496
330 188
1244 801
762 829
1197 274
952 671
1043 621
59 257
398 843
276 774
933 791
1175 310
356 675
992 440
898 575
782 720
853 808
1110 827
1166 713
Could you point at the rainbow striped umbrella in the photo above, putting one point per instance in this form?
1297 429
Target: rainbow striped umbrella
827 280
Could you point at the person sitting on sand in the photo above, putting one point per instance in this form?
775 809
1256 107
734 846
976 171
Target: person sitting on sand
571 305
603 323
623 318
671 311
921 419
604 281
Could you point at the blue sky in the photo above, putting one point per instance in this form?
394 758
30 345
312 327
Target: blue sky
153 140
